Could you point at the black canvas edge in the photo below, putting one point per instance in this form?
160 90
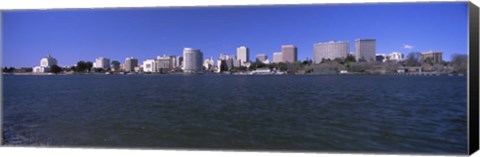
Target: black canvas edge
473 110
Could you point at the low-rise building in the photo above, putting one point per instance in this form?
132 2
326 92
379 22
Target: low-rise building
149 65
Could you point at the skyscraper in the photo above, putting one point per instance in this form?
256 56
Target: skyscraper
130 64
365 49
243 54
277 57
289 53
330 50
193 59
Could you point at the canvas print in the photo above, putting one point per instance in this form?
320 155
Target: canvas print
375 78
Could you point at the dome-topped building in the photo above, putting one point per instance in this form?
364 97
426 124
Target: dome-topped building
45 64
48 61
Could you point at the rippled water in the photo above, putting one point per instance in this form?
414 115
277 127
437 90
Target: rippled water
353 113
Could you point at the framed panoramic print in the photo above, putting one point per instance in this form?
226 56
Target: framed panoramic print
394 78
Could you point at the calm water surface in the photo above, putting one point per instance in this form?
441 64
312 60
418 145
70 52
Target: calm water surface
353 113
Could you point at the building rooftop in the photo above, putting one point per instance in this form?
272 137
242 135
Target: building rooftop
331 42
288 45
366 40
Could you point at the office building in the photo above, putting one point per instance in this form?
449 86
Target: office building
289 53
130 64
330 50
165 63
243 54
149 65
193 59
277 57
432 56
365 49
102 62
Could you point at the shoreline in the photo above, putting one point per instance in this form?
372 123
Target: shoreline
240 74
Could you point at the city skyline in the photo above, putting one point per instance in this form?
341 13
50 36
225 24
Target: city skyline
74 35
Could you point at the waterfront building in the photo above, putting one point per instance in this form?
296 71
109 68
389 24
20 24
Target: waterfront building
365 49
237 63
433 56
179 62
228 60
263 58
165 63
102 62
192 60
243 54
219 66
330 50
45 64
289 53
396 56
130 64
138 68
150 65
209 64
262 71
277 57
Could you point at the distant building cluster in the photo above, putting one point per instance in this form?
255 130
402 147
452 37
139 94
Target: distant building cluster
192 60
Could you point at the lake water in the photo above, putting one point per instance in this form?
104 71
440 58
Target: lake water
334 113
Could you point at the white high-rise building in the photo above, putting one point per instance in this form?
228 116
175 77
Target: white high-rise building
365 49
130 64
289 53
102 62
277 57
193 59
330 50
243 54
149 65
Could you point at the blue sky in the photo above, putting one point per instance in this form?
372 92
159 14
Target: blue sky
84 34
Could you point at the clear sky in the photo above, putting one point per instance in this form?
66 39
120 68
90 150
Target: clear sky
84 34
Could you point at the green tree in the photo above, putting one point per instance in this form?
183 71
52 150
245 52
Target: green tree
89 66
340 60
362 59
350 58
412 59
115 65
81 66
282 66
55 69
459 63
